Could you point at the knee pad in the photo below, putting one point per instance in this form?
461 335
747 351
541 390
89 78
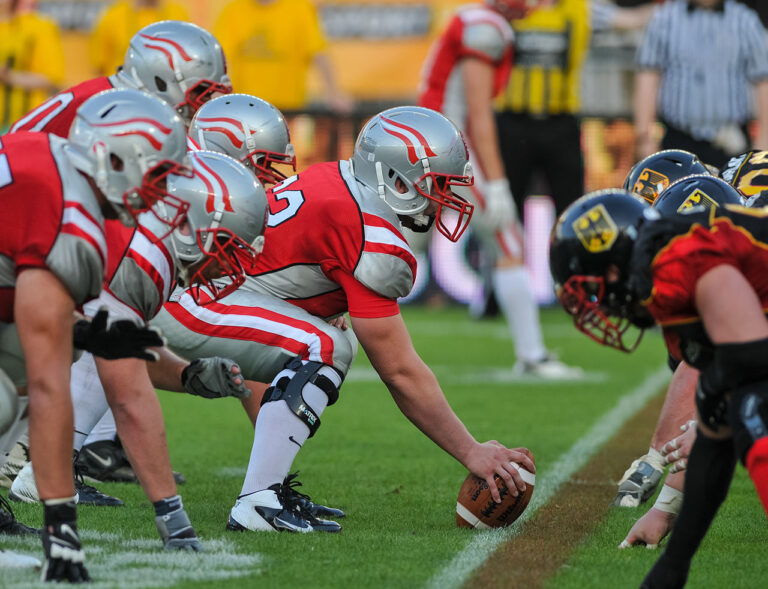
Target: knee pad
290 391
748 416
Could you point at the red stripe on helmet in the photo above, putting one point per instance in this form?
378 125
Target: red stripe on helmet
412 157
210 204
415 133
184 55
162 128
158 145
234 139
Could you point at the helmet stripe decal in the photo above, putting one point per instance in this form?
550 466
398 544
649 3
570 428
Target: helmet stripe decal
213 193
233 138
184 55
407 140
147 134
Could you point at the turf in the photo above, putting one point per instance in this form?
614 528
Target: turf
397 487
732 555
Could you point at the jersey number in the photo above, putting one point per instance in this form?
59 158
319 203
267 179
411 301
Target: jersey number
42 115
5 169
283 203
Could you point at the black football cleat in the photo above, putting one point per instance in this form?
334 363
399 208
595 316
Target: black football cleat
291 485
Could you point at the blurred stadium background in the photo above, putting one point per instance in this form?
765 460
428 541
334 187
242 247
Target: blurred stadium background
377 48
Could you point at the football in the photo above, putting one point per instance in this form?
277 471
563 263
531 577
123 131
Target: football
475 508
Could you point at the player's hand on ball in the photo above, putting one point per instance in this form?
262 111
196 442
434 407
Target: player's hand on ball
650 529
491 458
676 451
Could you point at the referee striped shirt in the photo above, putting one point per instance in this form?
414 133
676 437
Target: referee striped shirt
707 60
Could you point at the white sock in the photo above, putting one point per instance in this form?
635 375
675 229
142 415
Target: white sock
106 429
513 293
88 399
279 434
18 432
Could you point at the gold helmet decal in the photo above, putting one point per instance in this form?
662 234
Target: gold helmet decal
697 201
596 229
649 184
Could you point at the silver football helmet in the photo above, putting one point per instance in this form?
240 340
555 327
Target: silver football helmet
128 142
178 61
224 232
411 156
248 129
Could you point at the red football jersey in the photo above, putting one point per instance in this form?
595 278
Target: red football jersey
475 31
331 247
52 219
56 114
735 240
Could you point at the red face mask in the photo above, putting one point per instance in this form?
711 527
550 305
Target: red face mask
153 190
263 162
226 256
581 297
441 194
200 93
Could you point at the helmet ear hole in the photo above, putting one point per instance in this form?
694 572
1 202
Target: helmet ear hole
160 84
116 162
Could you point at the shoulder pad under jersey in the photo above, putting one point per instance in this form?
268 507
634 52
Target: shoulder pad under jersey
485 33
79 254
386 264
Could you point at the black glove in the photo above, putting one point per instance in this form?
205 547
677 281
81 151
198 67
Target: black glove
213 378
123 338
64 555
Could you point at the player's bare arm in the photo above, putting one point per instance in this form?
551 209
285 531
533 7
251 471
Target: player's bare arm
43 312
418 395
481 127
646 84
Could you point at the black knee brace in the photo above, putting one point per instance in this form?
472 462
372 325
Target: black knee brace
748 416
290 391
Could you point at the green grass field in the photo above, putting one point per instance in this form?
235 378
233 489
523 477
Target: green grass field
398 488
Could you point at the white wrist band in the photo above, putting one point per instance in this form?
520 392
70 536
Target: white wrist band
669 500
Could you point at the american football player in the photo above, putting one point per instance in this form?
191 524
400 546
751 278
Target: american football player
222 233
617 263
177 61
352 257
55 253
467 67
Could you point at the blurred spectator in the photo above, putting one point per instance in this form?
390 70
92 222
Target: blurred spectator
119 22
270 46
696 66
31 59
759 6
539 131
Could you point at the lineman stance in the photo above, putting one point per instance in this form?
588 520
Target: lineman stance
609 252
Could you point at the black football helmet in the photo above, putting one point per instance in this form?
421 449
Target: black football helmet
653 174
747 173
591 240
696 194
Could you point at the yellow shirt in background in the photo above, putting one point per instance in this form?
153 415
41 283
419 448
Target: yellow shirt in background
117 24
550 46
269 48
28 43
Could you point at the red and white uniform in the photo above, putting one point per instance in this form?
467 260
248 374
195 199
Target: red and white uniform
56 114
475 31
333 246
479 32
53 220
350 256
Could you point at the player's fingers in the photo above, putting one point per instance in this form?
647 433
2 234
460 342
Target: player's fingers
491 482
669 447
679 466
523 460
672 457
512 479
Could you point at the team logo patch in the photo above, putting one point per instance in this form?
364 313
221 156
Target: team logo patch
697 202
650 183
596 229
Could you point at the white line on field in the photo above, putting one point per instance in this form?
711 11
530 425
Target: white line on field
483 544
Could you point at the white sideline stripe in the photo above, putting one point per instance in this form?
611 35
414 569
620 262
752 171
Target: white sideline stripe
474 554
470 517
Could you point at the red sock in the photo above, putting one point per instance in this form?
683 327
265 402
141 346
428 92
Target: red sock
757 465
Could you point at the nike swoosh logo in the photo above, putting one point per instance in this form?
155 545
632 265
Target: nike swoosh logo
105 462
294 441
